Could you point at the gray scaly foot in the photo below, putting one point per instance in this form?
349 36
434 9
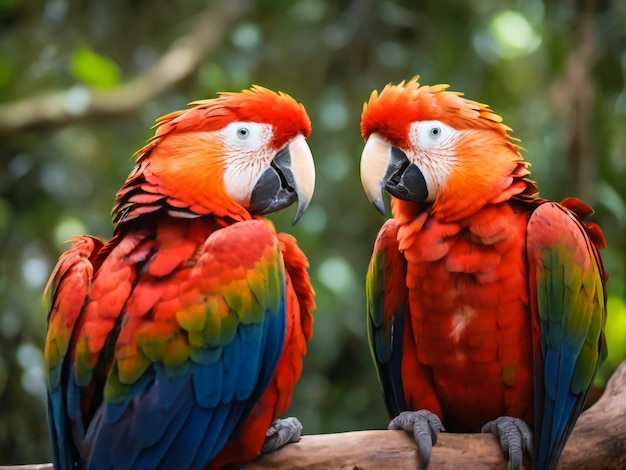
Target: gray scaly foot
515 437
425 427
281 432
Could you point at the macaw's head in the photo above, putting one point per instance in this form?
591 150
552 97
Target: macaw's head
431 146
238 155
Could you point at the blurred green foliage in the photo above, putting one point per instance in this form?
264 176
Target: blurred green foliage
59 181
94 69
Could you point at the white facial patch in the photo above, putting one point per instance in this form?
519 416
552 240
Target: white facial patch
247 156
435 154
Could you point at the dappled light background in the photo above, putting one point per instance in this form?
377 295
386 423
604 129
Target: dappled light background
553 69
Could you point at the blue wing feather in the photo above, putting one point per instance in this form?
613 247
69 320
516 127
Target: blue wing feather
207 383
63 453
178 416
569 304
165 423
386 288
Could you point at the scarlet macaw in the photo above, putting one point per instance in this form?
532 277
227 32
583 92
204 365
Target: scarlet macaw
485 304
178 342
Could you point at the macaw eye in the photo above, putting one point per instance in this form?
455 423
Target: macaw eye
243 133
432 134
435 132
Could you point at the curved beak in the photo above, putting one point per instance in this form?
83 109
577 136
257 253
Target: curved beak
384 166
374 161
291 176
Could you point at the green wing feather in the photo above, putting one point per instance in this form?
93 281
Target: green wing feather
170 343
567 279
386 309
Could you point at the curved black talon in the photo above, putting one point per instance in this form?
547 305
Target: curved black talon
425 427
515 437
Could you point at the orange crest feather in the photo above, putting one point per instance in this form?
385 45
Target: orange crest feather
258 104
392 111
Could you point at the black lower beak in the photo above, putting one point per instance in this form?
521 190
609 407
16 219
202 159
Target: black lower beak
275 189
404 179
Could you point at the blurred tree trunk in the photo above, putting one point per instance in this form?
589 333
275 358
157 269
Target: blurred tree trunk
574 97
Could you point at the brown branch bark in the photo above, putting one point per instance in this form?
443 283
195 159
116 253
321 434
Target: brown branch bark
182 59
597 442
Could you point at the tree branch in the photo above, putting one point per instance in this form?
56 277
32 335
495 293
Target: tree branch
597 442
80 102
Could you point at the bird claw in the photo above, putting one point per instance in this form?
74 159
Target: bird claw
515 437
281 432
425 427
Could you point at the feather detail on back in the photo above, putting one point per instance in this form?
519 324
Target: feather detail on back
247 441
168 345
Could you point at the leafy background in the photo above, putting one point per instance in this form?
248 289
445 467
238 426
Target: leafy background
79 93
